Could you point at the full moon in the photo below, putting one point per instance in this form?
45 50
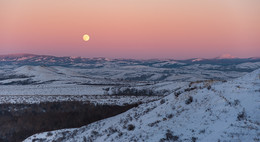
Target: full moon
85 37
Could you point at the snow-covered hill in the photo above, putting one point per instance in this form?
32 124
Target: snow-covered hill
248 65
47 60
206 111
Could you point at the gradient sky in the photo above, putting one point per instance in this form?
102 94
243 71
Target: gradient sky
131 28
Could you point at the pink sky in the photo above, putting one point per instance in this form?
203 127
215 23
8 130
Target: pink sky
131 28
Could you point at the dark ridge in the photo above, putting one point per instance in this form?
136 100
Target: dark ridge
19 121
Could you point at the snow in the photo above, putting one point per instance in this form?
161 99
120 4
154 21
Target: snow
214 113
95 99
42 89
56 80
249 65
167 62
226 56
197 59
227 111
23 58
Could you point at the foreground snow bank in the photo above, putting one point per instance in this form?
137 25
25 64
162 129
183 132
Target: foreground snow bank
222 112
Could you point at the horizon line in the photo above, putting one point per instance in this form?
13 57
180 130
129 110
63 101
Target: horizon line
217 57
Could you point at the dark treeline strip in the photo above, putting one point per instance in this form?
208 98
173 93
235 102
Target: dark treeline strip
19 121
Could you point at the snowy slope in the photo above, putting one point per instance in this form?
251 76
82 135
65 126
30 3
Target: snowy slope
217 111
58 80
43 73
249 65
94 99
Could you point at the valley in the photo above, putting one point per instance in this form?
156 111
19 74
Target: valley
48 98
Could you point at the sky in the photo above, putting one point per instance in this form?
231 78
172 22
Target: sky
141 29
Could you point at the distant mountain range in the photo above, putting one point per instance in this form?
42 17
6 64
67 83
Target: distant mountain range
47 60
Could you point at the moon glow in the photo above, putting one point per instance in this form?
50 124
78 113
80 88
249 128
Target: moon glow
86 37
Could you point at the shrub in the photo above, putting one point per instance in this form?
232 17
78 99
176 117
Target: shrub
241 115
177 94
162 101
202 131
84 139
112 130
169 135
49 134
236 102
190 89
94 133
130 127
154 123
194 139
170 116
188 101
120 134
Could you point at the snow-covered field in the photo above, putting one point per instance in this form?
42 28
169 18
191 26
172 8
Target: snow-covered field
57 80
51 90
212 111
182 100
94 99
28 74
